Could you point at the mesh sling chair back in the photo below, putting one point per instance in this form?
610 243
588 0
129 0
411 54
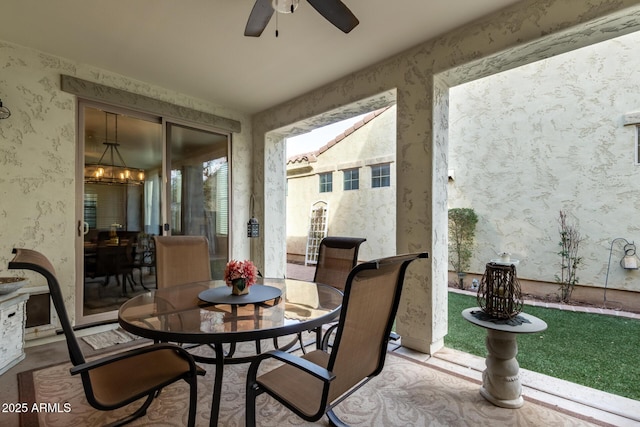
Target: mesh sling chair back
336 257
315 383
117 380
181 260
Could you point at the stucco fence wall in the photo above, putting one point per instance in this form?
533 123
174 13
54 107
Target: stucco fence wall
547 136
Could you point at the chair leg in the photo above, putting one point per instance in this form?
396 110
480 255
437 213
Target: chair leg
137 414
193 400
250 407
141 281
252 391
128 277
334 421
121 284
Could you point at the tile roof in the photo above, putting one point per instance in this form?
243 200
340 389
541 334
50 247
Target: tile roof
312 156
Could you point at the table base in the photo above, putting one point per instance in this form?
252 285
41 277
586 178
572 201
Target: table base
509 404
501 379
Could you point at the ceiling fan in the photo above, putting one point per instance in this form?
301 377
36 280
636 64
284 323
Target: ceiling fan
334 11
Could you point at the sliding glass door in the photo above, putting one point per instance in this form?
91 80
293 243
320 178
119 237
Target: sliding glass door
143 176
199 189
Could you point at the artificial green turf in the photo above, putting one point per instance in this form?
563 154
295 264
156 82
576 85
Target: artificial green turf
595 350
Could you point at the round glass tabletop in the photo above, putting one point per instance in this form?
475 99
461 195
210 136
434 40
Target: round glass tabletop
178 314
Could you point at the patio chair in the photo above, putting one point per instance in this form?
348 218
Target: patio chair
312 385
336 257
114 381
143 256
181 260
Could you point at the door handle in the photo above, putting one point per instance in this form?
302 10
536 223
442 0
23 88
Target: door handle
83 228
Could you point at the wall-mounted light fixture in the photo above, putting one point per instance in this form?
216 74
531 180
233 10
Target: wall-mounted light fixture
253 226
4 111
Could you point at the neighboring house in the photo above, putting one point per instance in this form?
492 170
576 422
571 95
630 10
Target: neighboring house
524 144
355 175
555 134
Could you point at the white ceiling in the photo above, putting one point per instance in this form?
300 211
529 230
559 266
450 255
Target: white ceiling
197 47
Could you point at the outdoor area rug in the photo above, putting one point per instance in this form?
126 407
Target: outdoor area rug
406 393
108 338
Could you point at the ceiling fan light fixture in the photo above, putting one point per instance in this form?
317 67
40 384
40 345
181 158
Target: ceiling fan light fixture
334 11
285 6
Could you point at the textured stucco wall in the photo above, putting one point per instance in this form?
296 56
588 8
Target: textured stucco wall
548 136
366 212
38 152
528 31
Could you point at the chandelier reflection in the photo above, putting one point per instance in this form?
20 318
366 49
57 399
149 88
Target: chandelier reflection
111 168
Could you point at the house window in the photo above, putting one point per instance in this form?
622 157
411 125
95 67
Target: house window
351 179
90 210
381 175
326 182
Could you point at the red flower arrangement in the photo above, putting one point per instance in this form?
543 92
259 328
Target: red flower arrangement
240 270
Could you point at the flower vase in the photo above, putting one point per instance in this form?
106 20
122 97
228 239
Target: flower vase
239 287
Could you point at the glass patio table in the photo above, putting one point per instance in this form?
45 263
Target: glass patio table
207 313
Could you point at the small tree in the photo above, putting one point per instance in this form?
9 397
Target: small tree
462 230
569 260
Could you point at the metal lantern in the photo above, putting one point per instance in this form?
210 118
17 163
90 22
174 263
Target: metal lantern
499 294
253 228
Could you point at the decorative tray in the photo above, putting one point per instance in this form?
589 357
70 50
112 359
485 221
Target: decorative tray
505 262
223 295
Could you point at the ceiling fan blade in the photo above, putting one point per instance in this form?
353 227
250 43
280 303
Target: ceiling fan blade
259 18
337 13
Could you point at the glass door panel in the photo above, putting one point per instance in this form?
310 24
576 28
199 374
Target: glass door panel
121 207
198 189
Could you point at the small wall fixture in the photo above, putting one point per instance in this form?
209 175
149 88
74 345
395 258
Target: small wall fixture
253 226
4 111
628 262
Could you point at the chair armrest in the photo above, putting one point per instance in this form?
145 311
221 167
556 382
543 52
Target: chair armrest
87 366
324 345
302 364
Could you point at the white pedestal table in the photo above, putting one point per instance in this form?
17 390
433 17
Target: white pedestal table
501 383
